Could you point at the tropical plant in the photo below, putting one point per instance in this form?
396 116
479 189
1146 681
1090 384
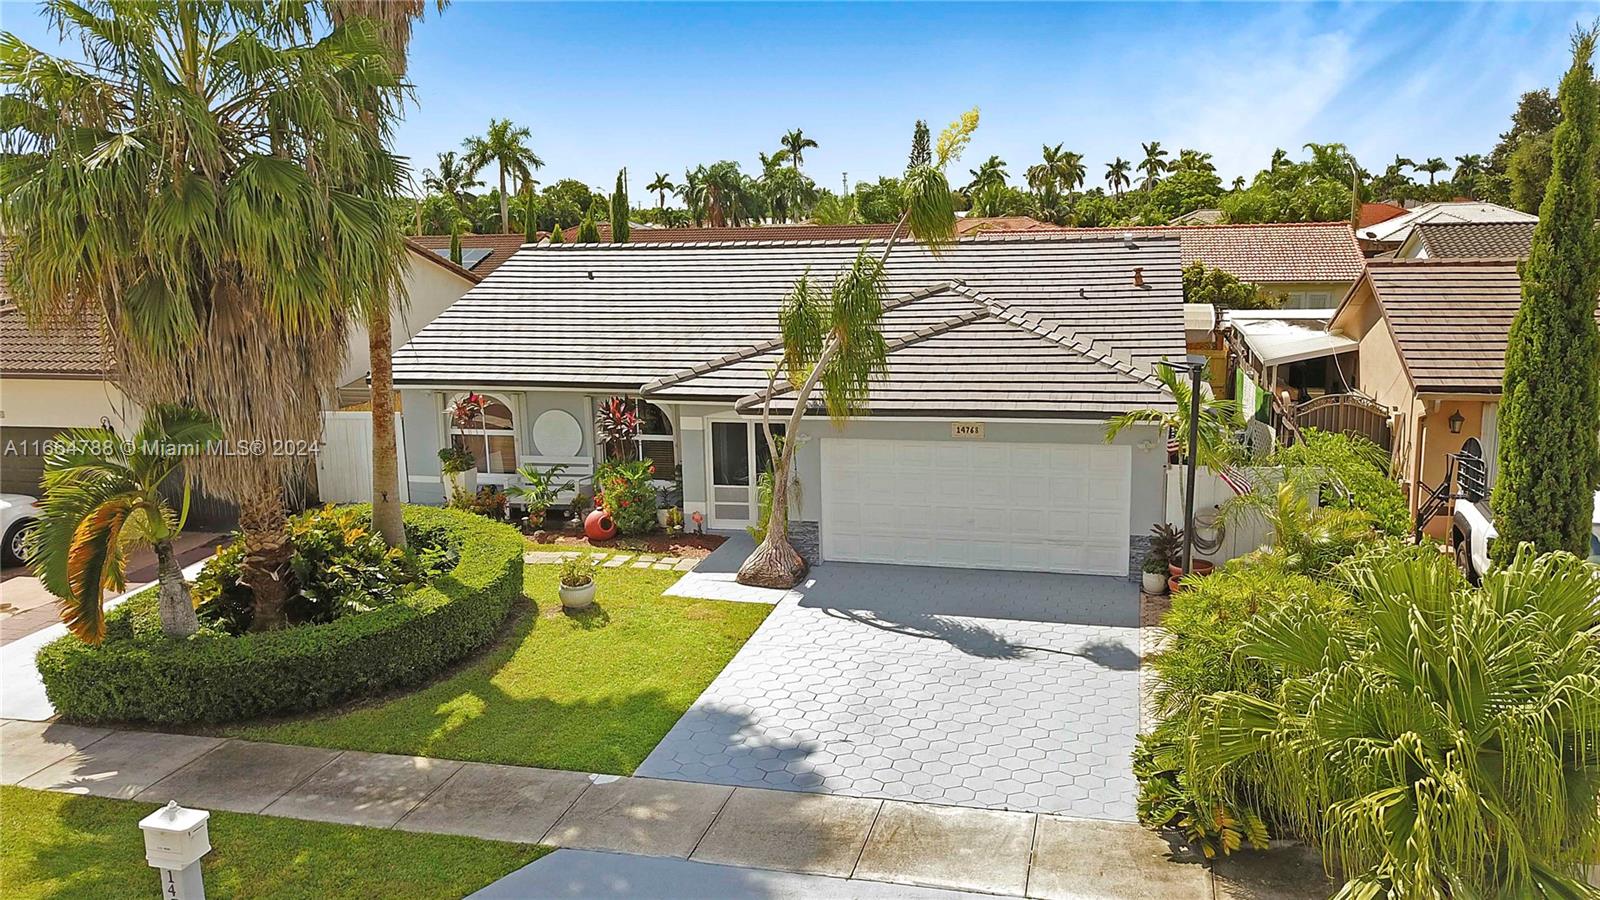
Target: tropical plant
1117 178
661 185
692 192
506 146
578 571
103 496
539 489
991 172
452 179
796 143
1216 827
620 229
1154 163
488 501
1306 537
225 235
1355 474
832 209
1219 420
831 339
1440 743
1549 461
453 460
1433 166
1220 289
628 495
1166 543
1468 168
617 423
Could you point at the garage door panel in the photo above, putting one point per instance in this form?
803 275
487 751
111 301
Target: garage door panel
1043 507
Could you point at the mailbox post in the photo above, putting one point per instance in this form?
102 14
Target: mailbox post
174 840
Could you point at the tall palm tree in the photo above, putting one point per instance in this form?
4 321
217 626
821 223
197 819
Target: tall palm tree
393 19
225 237
1154 163
991 171
832 339
1117 175
1433 166
102 497
1046 174
797 144
506 146
1469 166
661 185
693 194
1071 171
1219 421
453 179
1439 743
1280 157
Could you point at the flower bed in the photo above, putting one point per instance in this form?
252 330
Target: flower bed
137 675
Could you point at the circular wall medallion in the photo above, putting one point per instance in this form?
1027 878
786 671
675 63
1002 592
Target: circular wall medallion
556 433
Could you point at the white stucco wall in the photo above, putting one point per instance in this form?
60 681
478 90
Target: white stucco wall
429 289
64 403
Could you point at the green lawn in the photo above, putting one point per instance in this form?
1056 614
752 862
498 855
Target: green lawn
60 845
592 692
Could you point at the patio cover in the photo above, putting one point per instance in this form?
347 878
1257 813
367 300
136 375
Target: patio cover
1275 342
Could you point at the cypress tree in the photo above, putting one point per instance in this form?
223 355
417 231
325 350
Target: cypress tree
619 210
588 232
1550 411
557 234
921 147
530 222
455 242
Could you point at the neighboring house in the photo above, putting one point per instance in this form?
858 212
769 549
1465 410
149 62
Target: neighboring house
1468 240
1198 217
1373 213
983 446
967 225
1388 235
1431 341
480 253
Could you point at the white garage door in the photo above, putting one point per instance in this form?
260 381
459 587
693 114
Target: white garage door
981 505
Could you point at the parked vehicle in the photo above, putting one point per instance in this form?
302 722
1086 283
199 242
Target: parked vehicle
18 514
1473 528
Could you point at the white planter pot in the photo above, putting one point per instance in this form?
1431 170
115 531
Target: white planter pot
461 483
577 597
1155 582
661 517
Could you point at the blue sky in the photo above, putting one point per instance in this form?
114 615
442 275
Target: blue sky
658 87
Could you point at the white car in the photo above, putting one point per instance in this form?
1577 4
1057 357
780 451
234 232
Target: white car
1474 526
18 513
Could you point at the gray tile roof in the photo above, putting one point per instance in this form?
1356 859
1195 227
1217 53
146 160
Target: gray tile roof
615 317
1478 240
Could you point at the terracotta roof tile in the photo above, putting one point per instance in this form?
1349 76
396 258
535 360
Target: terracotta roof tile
62 347
1373 213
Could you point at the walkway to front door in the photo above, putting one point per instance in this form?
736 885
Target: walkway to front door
1003 690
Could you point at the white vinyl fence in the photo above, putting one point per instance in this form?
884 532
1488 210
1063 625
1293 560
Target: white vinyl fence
344 467
1237 538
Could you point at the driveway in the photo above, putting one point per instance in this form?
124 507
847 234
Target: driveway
1002 690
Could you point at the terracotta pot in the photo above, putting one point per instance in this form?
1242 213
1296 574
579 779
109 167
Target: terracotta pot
599 526
1201 567
1173 586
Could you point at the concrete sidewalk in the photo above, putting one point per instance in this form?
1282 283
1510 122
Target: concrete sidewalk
885 841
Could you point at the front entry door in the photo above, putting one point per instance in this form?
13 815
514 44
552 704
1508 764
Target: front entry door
738 456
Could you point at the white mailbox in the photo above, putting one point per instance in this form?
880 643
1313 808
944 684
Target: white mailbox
174 840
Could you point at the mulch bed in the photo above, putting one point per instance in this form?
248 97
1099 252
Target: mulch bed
688 546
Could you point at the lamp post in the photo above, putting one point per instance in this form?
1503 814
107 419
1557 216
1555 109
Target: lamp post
1194 365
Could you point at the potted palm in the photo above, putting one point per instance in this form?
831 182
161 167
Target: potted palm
577 582
538 491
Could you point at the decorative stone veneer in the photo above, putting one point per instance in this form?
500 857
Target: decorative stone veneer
806 539
1138 546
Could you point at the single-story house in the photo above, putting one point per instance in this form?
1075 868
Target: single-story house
1468 240
983 446
1431 342
799 231
1388 235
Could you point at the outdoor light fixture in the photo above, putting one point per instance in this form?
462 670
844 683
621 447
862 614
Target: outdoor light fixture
1456 419
1194 366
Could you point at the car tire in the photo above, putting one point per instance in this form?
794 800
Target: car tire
12 548
1464 560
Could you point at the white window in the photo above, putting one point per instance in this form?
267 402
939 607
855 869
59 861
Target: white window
488 433
656 442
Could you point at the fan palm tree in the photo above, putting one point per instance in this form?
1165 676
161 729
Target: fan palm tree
1439 744
102 497
1154 163
506 146
225 237
393 20
661 186
832 340
796 143
1433 166
1117 175
452 179
991 171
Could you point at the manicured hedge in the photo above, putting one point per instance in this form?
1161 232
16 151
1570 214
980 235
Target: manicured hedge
213 677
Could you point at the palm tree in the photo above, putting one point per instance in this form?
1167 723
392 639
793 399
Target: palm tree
197 222
1219 421
797 144
1071 171
832 209
1433 166
1469 167
991 171
102 497
1238 182
1438 743
1280 157
506 146
1117 175
693 193
393 19
452 179
1048 172
661 185
1154 164
832 339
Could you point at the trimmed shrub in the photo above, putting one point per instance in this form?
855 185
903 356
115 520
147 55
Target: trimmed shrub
139 675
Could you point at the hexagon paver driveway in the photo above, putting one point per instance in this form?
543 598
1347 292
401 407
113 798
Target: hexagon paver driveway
1004 690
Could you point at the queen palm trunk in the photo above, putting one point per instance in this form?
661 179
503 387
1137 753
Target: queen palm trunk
386 512
177 607
505 207
264 569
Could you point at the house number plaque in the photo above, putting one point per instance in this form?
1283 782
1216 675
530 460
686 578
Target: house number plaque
972 431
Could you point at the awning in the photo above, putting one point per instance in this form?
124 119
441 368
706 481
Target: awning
1276 343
